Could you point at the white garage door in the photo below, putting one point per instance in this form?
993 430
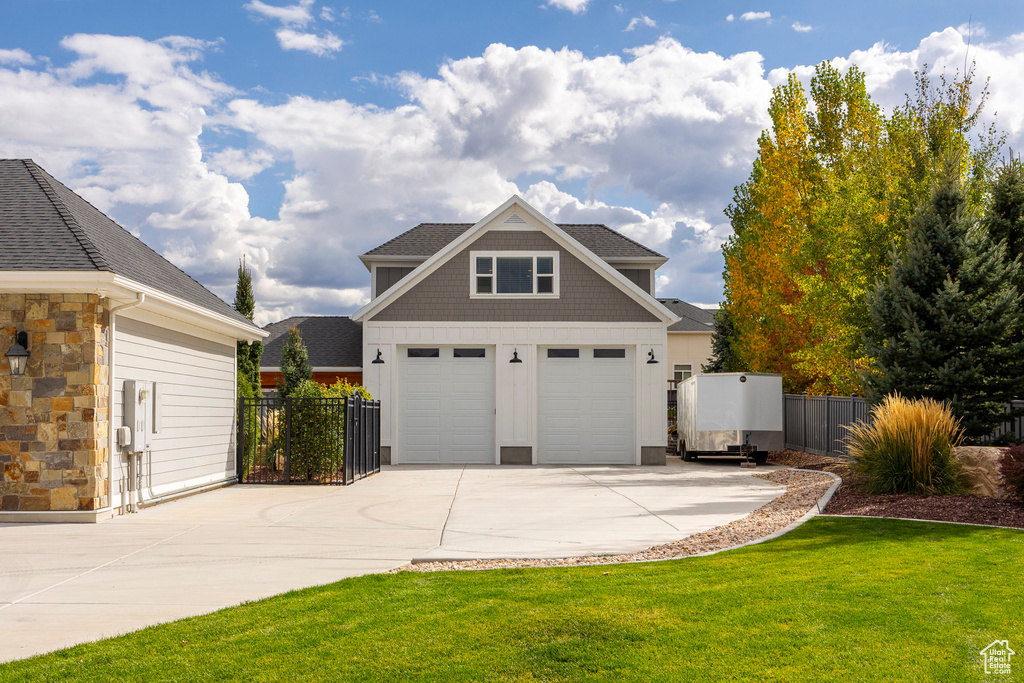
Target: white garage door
446 405
586 406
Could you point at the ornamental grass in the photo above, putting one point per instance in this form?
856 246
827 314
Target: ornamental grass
907 447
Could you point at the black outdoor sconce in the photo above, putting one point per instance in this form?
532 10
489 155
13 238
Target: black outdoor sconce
650 357
515 357
378 360
17 355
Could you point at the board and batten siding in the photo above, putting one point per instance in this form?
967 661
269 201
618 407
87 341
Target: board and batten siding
196 376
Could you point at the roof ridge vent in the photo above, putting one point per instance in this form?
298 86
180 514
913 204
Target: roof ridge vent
516 219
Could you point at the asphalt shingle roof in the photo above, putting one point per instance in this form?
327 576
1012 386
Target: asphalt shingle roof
332 341
426 239
694 319
44 226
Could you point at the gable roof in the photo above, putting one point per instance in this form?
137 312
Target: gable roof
426 239
553 231
44 226
691 318
332 341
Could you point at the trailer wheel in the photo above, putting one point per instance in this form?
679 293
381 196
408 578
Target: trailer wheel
760 457
687 455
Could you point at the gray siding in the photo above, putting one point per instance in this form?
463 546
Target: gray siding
641 277
585 295
387 276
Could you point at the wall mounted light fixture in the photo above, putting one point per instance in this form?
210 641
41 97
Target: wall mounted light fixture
515 357
17 355
650 357
378 360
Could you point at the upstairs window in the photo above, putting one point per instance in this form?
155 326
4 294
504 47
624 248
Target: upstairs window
511 275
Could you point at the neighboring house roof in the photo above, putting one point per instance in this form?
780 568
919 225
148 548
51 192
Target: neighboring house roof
332 341
426 239
692 318
44 226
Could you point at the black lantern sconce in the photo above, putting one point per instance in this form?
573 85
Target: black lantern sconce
515 357
650 357
378 360
17 355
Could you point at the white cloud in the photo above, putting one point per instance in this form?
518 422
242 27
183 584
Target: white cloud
239 163
755 16
295 20
299 15
643 19
574 6
972 31
15 56
320 45
801 28
730 17
650 142
372 17
619 9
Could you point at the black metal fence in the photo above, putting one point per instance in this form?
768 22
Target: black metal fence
1013 428
307 440
673 417
817 424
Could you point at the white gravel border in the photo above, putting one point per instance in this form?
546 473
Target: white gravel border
683 547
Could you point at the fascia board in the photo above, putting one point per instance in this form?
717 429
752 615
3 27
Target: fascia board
175 307
601 266
432 263
122 290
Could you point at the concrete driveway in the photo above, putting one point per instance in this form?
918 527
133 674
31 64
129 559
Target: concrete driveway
66 584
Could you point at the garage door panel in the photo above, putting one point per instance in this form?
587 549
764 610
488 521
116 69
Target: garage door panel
446 408
586 409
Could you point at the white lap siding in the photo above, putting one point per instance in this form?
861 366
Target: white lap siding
196 376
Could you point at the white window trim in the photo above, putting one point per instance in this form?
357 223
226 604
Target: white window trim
676 368
473 255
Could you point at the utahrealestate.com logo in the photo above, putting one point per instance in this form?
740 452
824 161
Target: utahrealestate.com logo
997 657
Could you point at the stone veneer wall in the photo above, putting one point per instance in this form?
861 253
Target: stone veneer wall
54 418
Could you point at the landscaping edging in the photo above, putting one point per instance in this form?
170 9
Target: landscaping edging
807 493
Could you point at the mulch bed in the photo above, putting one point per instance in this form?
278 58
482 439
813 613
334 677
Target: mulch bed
850 500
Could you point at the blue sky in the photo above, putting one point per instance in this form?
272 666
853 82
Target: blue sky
303 133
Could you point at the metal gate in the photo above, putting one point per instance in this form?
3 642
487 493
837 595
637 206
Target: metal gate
307 440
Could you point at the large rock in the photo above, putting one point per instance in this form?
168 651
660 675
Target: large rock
980 470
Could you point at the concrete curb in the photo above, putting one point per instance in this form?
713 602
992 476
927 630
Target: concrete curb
814 511
810 514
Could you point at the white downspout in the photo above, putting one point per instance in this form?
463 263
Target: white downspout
111 429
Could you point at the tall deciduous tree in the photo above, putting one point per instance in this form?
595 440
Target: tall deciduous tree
245 303
831 192
295 367
947 321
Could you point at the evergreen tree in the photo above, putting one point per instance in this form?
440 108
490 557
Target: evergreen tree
295 367
722 357
245 303
947 322
1005 217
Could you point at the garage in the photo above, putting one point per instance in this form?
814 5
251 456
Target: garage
586 406
446 405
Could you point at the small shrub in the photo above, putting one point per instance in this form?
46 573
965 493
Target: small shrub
907 447
1011 466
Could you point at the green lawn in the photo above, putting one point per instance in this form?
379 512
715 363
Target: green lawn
837 599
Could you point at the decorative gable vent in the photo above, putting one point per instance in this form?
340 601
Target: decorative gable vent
515 219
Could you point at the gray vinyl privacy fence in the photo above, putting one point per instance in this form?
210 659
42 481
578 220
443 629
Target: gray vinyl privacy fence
818 424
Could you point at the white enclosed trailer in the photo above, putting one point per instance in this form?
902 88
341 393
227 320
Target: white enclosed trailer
731 413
